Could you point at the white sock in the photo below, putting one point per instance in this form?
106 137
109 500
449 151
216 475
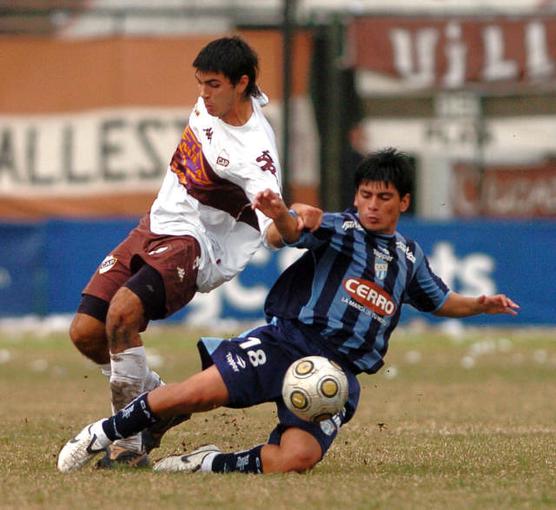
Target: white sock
106 370
152 381
127 381
206 465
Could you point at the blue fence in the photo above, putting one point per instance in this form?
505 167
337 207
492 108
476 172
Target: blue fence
44 266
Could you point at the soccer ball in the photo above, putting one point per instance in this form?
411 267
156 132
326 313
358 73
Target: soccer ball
315 388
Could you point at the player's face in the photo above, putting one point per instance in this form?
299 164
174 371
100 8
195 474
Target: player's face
379 206
220 96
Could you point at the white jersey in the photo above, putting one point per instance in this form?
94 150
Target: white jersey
215 173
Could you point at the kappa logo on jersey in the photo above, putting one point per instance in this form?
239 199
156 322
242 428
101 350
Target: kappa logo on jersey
370 295
108 263
268 166
208 134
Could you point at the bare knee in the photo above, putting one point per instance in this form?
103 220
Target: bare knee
124 321
301 460
298 451
89 337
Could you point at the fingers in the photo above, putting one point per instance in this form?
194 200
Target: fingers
311 216
263 199
499 303
511 306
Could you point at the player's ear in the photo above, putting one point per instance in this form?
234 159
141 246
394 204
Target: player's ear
242 84
404 202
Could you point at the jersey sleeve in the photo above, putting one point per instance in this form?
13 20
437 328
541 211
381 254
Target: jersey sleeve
313 240
426 291
255 177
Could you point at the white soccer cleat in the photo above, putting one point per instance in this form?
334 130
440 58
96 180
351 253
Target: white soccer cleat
80 450
190 462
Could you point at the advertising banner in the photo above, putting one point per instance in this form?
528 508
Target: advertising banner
43 269
451 52
511 191
23 278
95 139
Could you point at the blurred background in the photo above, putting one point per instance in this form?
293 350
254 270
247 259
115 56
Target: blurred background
94 96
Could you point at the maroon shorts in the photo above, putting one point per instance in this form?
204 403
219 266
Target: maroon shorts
175 258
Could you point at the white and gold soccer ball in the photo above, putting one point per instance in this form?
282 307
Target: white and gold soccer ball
315 388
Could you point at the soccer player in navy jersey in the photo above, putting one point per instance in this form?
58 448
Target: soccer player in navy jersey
341 299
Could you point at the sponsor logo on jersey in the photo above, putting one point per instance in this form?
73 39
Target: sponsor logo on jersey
383 254
268 162
108 263
350 224
370 295
404 248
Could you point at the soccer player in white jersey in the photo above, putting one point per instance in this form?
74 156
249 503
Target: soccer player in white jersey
201 230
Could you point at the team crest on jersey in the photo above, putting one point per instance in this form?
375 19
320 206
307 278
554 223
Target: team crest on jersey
268 162
108 263
381 269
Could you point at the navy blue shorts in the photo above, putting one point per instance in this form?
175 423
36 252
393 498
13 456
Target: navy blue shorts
253 367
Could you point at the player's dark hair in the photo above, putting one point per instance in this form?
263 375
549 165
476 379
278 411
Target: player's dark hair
232 57
389 166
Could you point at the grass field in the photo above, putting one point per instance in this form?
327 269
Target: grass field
466 423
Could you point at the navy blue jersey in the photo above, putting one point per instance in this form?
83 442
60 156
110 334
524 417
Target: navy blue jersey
347 290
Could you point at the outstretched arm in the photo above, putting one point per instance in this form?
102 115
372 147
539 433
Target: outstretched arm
458 305
286 227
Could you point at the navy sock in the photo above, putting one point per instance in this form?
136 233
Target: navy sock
248 461
130 420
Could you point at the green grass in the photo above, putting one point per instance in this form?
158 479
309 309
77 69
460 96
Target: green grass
458 424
